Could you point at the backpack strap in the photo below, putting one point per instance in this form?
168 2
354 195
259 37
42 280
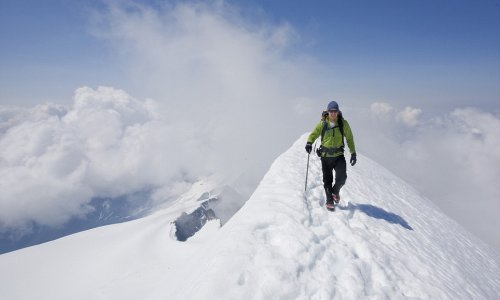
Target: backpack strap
323 130
340 120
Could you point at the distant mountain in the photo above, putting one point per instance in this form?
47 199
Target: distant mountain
105 211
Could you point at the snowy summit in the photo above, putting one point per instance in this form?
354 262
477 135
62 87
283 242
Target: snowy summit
383 242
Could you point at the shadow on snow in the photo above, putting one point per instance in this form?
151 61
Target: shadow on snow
378 213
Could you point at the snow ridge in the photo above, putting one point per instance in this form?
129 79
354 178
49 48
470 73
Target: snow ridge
384 242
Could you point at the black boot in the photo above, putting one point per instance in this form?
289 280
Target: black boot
328 193
329 199
336 198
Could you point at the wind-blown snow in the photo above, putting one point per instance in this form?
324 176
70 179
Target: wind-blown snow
385 241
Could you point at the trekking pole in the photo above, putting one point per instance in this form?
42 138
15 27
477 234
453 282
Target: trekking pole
307 170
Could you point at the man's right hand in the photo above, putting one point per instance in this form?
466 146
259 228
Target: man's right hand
309 147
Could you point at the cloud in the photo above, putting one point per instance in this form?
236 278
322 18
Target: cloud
450 158
409 116
56 159
202 53
225 92
381 108
236 80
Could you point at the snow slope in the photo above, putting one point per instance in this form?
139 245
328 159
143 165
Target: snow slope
386 241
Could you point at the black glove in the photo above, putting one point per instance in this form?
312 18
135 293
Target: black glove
353 159
309 147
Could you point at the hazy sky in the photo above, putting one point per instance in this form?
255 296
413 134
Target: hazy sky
195 88
441 53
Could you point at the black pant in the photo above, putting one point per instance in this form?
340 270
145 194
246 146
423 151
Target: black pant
328 164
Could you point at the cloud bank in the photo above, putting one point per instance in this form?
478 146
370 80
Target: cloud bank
236 80
227 93
54 159
451 158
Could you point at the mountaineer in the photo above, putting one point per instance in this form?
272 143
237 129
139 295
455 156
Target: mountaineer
333 128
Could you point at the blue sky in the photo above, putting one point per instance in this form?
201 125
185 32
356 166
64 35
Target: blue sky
440 52
47 51
446 51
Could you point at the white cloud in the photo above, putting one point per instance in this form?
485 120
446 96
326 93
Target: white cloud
409 116
221 87
452 159
231 78
381 108
55 160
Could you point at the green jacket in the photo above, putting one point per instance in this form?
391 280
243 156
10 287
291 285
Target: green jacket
333 138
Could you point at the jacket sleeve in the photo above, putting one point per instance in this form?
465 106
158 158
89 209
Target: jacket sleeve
349 137
315 133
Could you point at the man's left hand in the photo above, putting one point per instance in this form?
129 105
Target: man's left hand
353 159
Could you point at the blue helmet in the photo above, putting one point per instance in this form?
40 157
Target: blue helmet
332 106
